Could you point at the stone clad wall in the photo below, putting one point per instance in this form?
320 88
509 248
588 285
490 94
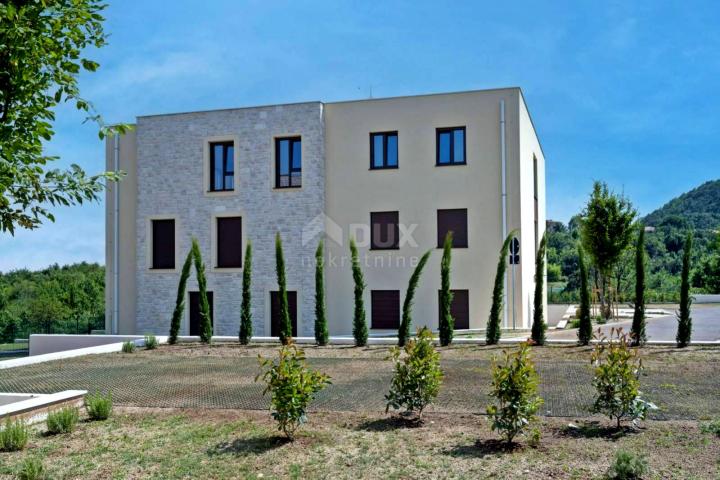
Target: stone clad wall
171 183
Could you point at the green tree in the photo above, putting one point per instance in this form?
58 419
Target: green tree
321 327
285 324
206 329
404 330
360 330
607 226
180 299
637 332
447 323
539 326
492 333
684 331
585 328
246 330
43 47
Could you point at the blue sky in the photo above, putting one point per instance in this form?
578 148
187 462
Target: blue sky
623 92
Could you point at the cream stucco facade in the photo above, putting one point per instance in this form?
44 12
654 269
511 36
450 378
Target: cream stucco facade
339 192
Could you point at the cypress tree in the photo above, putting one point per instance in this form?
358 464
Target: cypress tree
360 330
492 333
684 331
539 326
447 323
180 300
285 325
246 330
404 330
637 332
585 330
321 328
206 329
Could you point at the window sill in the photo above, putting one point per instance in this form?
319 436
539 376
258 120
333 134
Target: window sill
384 249
220 193
454 247
384 168
450 164
162 270
291 189
226 269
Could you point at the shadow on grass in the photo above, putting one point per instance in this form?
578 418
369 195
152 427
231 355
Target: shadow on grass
394 422
483 448
594 429
248 446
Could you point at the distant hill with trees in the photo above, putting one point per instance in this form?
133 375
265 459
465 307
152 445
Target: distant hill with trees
698 208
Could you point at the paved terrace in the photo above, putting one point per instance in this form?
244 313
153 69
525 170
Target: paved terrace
684 383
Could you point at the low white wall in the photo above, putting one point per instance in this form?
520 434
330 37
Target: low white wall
40 344
706 298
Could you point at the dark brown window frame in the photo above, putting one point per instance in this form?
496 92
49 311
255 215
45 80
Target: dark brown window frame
396 244
225 144
455 293
153 252
291 170
373 321
441 238
385 136
218 221
452 161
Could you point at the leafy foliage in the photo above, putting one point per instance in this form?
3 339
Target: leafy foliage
285 324
539 326
404 330
447 323
151 342
700 207
98 406
492 333
321 328
627 466
180 299
637 333
206 329
360 330
32 468
684 331
14 435
418 376
246 327
63 420
292 387
712 427
42 55
585 323
128 347
514 386
617 378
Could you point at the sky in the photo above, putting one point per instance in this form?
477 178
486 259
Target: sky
623 92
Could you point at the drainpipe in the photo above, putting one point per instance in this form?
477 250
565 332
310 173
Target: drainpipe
116 236
503 161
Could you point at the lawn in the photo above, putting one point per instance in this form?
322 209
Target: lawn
170 443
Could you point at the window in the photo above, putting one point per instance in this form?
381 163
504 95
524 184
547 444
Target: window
385 309
222 166
229 242
288 162
451 146
383 150
459 308
194 311
385 232
163 244
453 220
275 312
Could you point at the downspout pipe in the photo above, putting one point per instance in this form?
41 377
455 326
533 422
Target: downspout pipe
116 236
503 162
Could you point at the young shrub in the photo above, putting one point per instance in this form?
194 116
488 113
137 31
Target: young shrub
404 330
584 322
539 326
684 331
417 374
128 347
514 386
492 333
285 324
32 468
360 330
712 427
180 300
246 332
617 379
206 329
637 332
321 328
446 321
14 435
627 466
63 420
151 342
98 406
292 387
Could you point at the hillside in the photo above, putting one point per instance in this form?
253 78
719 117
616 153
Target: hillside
700 208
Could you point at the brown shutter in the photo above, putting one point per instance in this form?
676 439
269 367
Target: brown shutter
163 244
229 242
275 312
459 308
194 311
453 220
384 230
385 309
